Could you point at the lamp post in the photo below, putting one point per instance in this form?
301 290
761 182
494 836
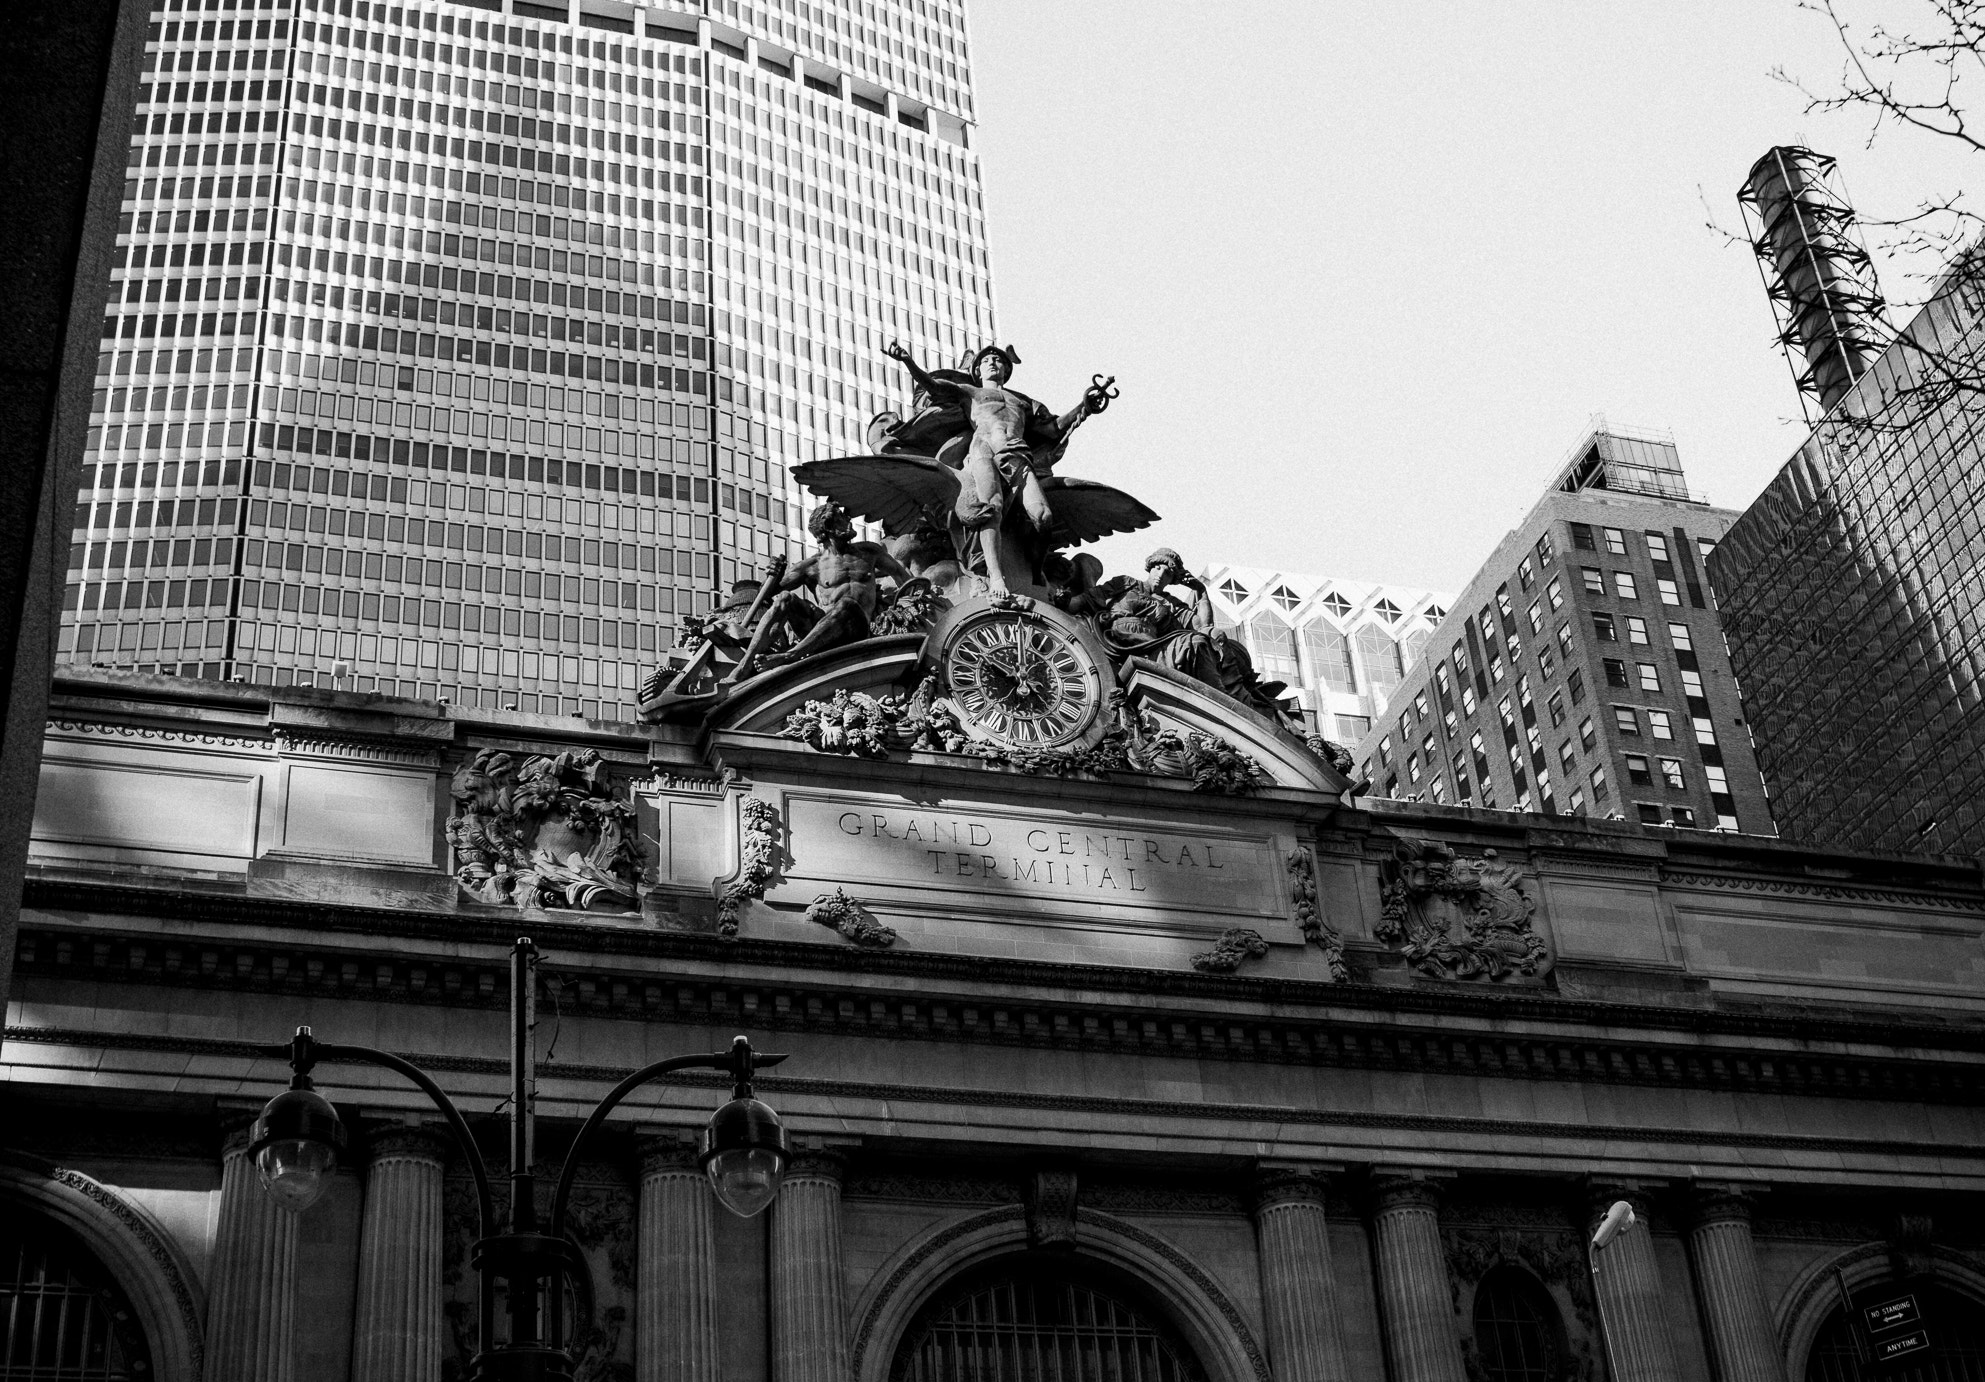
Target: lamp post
297 1140
1619 1218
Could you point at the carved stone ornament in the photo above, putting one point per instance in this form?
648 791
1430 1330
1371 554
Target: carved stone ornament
1051 1209
1456 918
850 918
758 844
1309 915
929 721
1236 944
851 722
538 831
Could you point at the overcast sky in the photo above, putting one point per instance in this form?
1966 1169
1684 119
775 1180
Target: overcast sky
1364 272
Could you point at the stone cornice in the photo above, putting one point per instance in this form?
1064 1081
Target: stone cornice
1077 1015
1140 1113
616 954
160 734
1826 892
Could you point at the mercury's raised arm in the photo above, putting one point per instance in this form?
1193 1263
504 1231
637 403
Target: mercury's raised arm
896 351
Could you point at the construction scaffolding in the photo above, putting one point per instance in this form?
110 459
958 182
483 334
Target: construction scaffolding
1816 272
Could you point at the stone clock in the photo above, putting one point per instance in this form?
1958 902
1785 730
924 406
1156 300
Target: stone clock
1023 674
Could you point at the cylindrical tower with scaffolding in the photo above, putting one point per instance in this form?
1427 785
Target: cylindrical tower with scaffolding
1818 276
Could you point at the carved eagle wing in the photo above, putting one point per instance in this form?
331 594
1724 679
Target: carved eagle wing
1086 510
895 491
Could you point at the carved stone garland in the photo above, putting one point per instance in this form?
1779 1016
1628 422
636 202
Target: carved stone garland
852 722
1456 918
757 855
542 831
1236 944
850 918
1302 881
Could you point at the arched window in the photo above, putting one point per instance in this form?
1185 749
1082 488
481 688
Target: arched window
1956 1352
1380 656
1041 1317
1517 1332
1274 647
1330 658
64 1319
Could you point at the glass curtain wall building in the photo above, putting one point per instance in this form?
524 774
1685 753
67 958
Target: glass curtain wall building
458 351
1342 647
1853 591
1583 669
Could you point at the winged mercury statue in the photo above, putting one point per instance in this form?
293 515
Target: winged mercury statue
976 459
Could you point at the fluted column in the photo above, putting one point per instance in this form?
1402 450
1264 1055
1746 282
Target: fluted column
1296 1284
1628 1286
399 1327
1416 1299
251 1319
675 1291
809 1321
1741 1335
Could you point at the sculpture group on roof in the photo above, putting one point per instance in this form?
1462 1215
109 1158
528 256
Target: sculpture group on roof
963 487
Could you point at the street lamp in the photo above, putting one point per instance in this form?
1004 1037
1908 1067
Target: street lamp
296 1142
1619 1218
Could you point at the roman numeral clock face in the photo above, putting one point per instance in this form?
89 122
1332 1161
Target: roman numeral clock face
1021 679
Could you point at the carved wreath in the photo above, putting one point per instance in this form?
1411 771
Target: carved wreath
1456 918
543 831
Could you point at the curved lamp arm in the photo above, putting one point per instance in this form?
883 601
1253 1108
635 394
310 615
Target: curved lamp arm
740 1060
305 1052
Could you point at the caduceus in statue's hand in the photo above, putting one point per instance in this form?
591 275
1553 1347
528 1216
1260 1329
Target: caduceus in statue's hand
1014 439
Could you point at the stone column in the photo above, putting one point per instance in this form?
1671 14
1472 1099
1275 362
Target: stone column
1629 1290
1416 1299
251 1307
1296 1284
675 1277
1741 1335
398 1333
809 1320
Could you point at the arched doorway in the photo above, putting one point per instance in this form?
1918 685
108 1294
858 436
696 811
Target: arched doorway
1956 1352
1043 1317
62 1318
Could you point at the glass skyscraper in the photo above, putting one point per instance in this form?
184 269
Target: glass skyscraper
1853 593
459 350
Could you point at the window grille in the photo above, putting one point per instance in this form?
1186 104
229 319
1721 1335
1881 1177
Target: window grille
65 1321
1034 1325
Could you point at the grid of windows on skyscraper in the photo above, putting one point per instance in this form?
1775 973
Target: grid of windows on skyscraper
460 353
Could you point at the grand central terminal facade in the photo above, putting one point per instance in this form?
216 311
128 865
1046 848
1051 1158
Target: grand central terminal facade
1121 1042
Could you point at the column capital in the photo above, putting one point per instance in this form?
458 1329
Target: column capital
426 1141
1394 1190
1717 1202
1280 1184
817 1163
1600 1192
236 1133
668 1152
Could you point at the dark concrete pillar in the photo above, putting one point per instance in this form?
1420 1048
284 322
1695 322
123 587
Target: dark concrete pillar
1629 1289
399 1330
251 1303
70 71
675 1274
1296 1284
1416 1299
809 1312
1736 1316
